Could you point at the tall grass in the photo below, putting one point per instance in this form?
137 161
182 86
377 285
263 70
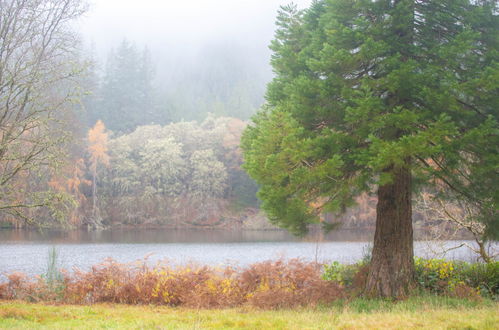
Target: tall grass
53 277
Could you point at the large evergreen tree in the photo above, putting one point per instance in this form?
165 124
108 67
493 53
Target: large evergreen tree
379 96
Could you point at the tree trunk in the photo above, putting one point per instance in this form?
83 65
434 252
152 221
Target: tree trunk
94 193
96 221
486 257
391 272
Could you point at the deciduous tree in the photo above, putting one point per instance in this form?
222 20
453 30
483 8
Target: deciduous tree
37 64
98 155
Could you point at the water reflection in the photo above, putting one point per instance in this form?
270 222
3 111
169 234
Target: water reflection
140 236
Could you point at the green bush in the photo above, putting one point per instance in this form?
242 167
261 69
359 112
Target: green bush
483 277
443 276
340 273
454 278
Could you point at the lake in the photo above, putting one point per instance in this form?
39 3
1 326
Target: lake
27 250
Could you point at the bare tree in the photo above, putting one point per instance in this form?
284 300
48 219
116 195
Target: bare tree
37 70
461 215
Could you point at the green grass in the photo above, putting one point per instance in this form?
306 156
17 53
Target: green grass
428 312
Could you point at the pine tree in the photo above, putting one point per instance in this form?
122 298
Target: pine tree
126 97
378 97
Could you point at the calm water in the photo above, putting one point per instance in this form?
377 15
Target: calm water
27 251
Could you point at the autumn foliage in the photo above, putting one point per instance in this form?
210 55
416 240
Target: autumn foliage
97 149
97 146
270 284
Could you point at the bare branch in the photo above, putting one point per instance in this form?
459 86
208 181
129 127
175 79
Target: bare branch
36 50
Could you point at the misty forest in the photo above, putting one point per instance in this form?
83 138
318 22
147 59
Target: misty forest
332 149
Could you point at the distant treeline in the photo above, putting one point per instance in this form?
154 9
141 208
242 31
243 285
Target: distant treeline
128 91
186 173
182 174
163 143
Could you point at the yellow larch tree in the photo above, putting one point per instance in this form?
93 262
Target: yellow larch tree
97 149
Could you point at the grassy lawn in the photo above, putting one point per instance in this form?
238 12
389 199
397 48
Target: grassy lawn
417 312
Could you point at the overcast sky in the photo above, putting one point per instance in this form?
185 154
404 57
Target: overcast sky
180 26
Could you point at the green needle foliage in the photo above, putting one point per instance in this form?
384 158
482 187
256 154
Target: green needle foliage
384 95
362 86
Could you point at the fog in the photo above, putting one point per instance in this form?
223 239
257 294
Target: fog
182 28
205 56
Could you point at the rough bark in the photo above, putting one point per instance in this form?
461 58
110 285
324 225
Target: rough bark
391 272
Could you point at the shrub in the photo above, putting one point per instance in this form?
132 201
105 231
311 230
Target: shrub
458 278
454 278
435 274
340 273
47 287
17 287
271 284
287 284
484 277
